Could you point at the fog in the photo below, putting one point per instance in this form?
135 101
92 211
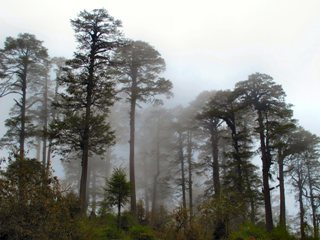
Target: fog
207 46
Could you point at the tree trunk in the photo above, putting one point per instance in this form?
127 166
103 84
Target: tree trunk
84 171
252 209
146 194
183 181
53 118
314 215
301 208
282 218
38 149
154 199
266 163
237 157
22 136
189 154
108 162
313 204
131 154
23 112
44 148
155 180
86 135
119 215
215 157
248 186
45 123
90 186
49 155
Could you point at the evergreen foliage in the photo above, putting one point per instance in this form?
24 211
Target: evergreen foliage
117 190
22 64
33 205
139 73
88 90
196 175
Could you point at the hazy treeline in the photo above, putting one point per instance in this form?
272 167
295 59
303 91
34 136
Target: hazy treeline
199 171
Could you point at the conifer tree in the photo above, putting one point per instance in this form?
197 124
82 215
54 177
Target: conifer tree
139 74
117 190
89 91
21 64
266 99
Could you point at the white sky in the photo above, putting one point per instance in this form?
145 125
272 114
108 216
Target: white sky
207 44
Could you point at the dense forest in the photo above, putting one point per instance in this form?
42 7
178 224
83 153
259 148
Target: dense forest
219 167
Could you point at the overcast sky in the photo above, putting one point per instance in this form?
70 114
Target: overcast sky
207 44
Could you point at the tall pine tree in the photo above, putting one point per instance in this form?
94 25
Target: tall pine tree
139 75
21 62
89 91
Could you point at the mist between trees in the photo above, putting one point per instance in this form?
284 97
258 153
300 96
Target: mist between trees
192 170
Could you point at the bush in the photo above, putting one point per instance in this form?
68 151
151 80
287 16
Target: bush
33 206
250 231
92 229
113 233
280 233
141 233
127 221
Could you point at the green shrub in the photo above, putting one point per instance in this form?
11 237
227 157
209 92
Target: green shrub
127 221
32 204
91 229
141 233
109 219
101 228
280 233
113 233
250 231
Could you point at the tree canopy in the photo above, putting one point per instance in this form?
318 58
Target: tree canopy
218 168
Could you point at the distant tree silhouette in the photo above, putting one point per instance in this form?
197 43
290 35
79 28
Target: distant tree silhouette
21 63
139 74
